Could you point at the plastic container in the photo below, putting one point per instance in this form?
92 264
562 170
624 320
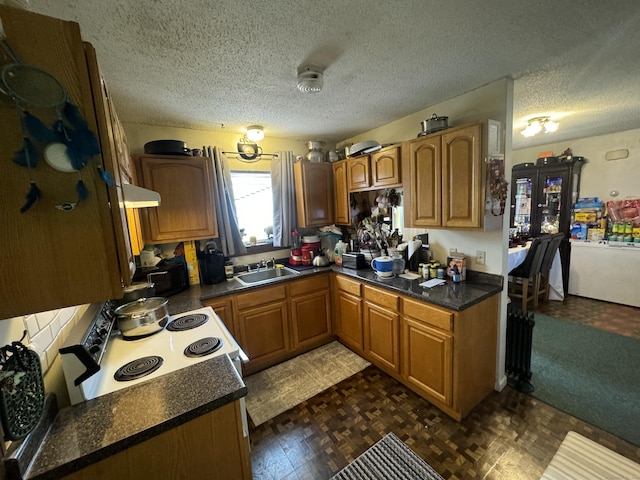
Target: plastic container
339 249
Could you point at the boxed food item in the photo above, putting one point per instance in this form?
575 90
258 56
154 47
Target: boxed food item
585 216
595 234
579 231
460 261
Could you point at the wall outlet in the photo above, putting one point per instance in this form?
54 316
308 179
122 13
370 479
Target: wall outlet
453 250
480 257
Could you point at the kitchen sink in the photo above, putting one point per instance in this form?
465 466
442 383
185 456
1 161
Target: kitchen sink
265 276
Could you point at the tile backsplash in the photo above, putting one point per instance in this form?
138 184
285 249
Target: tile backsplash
46 331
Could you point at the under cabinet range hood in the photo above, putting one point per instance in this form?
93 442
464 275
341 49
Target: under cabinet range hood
138 197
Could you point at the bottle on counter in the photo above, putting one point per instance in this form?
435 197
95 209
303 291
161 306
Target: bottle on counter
423 269
340 248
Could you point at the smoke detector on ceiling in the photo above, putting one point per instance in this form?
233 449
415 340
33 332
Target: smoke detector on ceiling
310 78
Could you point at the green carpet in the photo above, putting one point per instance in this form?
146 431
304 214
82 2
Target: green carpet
588 373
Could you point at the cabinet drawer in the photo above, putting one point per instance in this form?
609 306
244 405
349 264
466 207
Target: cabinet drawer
260 297
311 284
348 285
382 298
435 317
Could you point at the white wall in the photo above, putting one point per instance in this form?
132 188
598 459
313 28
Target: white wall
599 176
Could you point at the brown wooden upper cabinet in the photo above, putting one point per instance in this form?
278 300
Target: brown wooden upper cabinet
341 193
186 185
61 251
444 178
376 170
314 193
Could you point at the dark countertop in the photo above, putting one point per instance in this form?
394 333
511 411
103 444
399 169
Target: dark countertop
86 433
477 287
83 434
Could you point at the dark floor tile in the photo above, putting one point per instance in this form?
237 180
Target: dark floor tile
508 436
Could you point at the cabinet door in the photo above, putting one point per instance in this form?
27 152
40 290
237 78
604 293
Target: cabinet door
427 362
224 309
358 173
314 193
310 319
187 209
349 313
54 258
381 332
422 170
341 193
115 150
463 178
264 333
385 167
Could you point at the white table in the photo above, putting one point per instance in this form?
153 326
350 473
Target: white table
518 254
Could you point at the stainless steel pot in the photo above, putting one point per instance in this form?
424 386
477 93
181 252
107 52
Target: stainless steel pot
143 317
435 124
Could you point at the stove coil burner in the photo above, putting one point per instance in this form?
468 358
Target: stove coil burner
138 368
187 322
202 347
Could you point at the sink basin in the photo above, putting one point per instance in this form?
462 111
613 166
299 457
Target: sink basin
265 276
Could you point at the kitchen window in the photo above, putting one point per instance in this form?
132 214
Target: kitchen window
254 205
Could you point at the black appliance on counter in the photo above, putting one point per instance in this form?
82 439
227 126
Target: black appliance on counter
211 265
169 277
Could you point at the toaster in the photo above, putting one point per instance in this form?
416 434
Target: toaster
353 260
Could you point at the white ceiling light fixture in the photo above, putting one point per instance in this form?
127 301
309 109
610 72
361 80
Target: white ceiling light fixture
535 126
255 133
310 78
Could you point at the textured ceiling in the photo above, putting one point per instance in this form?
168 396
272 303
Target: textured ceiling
205 63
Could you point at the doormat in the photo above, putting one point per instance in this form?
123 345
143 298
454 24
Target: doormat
284 386
389 459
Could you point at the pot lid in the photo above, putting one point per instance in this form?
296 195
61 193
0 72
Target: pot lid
361 148
141 305
137 286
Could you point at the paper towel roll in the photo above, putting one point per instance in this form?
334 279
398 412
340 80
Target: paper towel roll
412 247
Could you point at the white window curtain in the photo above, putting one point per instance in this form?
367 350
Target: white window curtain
284 198
228 231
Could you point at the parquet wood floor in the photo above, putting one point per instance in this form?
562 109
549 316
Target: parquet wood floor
510 435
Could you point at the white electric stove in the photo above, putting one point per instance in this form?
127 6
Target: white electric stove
97 360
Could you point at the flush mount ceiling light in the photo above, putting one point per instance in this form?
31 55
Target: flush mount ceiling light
535 126
310 78
255 133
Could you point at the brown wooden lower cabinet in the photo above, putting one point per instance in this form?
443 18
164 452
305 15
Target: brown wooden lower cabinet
274 323
224 309
310 312
211 446
263 325
428 359
447 357
348 311
382 328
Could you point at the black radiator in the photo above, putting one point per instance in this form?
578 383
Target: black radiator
518 352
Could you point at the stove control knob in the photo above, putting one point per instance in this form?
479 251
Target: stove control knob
103 332
94 349
97 341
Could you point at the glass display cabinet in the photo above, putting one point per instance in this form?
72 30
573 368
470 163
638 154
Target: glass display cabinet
542 196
